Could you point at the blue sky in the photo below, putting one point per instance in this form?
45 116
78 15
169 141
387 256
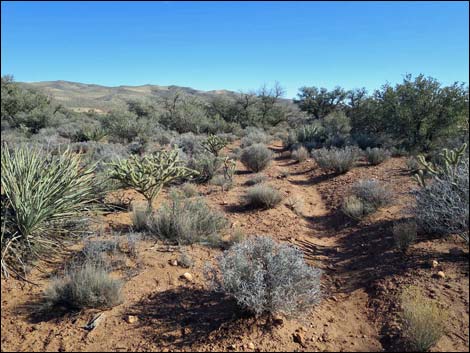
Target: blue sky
235 45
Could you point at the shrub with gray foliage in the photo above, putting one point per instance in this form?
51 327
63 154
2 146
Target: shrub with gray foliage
262 196
336 159
442 206
269 278
187 221
256 157
376 155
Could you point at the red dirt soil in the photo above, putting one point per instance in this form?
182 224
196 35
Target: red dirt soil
363 275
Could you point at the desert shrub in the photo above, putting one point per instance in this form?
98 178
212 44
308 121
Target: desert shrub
206 165
306 134
337 160
296 204
185 260
267 278
41 195
139 218
123 126
365 141
353 207
372 193
189 190
300 154
187 221
220 180
88 286
423 320
254 136
376 155
256 157
256 179
442 205
103 153
189 143
336 128
412 164
366 196
214 144
404 234
262 196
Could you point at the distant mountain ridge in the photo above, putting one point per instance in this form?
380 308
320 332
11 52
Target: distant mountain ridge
84 96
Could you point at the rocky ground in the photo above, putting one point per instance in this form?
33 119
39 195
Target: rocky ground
363 275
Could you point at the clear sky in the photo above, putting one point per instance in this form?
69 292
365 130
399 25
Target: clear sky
235 45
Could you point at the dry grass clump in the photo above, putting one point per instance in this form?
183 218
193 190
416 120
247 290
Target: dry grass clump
338 160
404 234
423 319
366 196
256 179
86 286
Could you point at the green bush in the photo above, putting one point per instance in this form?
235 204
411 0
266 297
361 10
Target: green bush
256 157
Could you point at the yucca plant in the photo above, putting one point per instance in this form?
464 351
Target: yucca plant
147 175
41 196
214 144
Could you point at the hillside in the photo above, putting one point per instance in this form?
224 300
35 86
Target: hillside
83 96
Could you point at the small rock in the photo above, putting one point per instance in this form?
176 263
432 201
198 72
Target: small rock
278 320
334 298
456 252
441 274
434 263
251 345
130 319
174 262
187 276
298 338
232 347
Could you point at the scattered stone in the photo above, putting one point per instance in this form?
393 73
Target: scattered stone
232 347
434 263
130 319
174 262
187 276
298 338
251 345
334 298
441 274
94 322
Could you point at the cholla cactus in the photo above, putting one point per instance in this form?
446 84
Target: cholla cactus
148 174
214 144
229 168
452 159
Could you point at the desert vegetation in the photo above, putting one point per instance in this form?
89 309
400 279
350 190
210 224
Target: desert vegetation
202 219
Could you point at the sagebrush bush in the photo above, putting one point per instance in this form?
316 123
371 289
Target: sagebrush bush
423 320
256 179
139 217
254 136
187 221
223 182
88 286
376 155
262 196
189 190
206 165
267 278
41 195
256 157
372 193
353 207
335 159
442 206
404 234
300 154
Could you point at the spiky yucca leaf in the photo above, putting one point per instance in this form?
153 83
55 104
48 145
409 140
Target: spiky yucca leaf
40 195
